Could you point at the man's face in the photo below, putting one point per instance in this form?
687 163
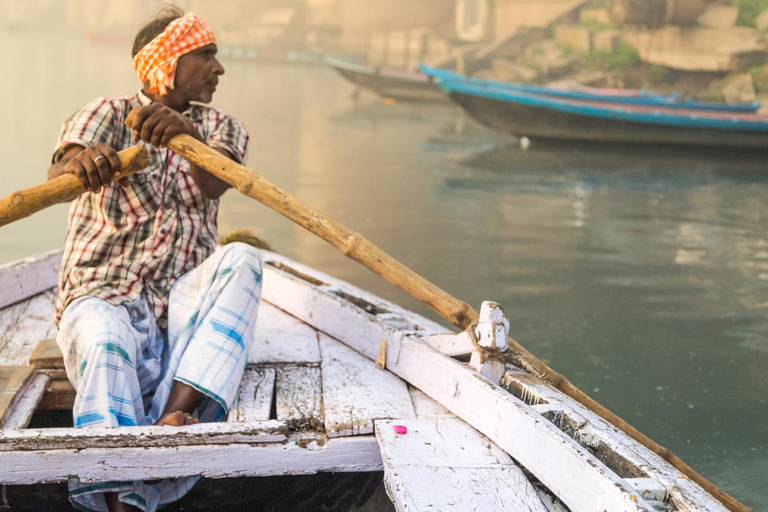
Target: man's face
197 74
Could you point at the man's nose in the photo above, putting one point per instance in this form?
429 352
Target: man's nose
218 68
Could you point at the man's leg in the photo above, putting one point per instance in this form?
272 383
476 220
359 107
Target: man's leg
211 318
113 354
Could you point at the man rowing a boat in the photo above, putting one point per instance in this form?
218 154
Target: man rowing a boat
154 320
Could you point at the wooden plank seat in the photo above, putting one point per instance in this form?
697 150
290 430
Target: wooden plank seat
47 356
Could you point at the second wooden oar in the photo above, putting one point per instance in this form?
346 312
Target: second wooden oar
26 202
459 313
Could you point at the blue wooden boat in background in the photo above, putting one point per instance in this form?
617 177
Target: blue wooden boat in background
541 116
628 96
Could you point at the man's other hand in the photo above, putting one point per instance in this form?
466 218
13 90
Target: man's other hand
157 124
96 167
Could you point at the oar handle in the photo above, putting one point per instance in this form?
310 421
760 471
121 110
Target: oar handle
64 188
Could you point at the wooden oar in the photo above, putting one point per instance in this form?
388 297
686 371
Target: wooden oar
64 188
459 313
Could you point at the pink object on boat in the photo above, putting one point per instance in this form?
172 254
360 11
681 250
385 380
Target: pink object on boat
400 429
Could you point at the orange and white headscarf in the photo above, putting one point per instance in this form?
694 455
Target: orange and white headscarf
157 61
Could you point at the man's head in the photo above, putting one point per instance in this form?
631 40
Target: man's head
175 56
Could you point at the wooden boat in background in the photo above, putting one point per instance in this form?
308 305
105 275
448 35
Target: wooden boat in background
539 116
334 375
580 92
389 82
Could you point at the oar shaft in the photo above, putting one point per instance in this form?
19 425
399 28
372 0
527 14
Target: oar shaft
26 202
459 313
352 244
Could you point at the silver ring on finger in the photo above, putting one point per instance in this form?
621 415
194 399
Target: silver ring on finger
100 157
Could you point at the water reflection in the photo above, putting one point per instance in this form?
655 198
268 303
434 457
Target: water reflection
641 276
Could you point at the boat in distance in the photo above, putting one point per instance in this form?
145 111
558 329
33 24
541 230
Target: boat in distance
389 82
580 92
340 380
538 116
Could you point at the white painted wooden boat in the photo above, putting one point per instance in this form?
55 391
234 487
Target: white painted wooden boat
332 371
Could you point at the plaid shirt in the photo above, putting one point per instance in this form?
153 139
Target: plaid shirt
125 241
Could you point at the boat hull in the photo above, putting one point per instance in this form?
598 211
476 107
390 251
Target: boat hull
541 122
393 86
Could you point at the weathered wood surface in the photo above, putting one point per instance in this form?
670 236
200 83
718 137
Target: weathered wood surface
451 344
569 470
28 277
270 431
300 454
616 448
425 407
298 401
277 265
355 392
12 382
492 331
66 187
27 402
498 489
281 338
23 325
47 355
550 502
444 464
649 488
442 441
254 397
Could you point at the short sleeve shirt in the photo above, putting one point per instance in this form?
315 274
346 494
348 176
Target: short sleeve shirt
126 241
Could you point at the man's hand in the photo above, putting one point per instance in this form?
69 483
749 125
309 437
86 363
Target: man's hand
95 166
157 124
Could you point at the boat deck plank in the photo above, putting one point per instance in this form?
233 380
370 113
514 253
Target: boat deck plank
281 338
298 397
356 392
494 489
254 397
425 407
438 442
444 464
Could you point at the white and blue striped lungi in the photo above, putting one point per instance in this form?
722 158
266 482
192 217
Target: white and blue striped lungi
123 366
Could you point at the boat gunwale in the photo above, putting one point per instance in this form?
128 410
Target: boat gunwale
635 97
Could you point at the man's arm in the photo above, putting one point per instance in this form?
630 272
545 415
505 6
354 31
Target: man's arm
158 124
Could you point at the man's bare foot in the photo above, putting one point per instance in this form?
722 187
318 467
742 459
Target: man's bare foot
177 419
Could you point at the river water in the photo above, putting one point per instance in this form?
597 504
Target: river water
640 274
